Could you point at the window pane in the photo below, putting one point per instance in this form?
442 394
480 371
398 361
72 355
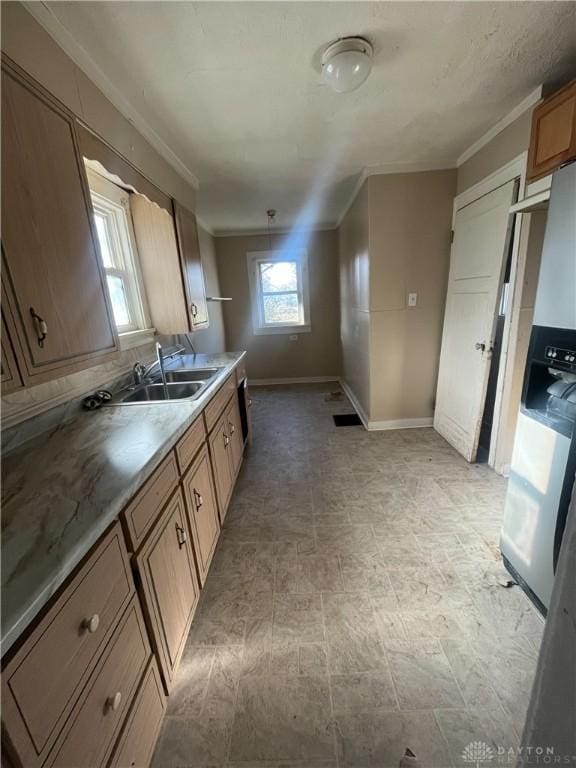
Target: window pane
100 222
281 309
118 299
279 276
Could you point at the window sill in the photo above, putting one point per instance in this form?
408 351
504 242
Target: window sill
282 329
136 338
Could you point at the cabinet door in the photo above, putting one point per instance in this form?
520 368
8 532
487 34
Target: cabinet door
553 137
191 266
53 275
169 585
203 511
221 463
235 432
9 369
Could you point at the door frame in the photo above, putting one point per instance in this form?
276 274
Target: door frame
514 169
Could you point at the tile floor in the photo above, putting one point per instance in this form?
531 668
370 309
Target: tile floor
353 607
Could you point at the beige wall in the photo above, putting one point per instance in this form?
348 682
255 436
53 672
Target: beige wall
271 357
505 146
212 339
395 240
354 304
409 243
30 46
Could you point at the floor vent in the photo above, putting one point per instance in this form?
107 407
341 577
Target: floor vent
347 420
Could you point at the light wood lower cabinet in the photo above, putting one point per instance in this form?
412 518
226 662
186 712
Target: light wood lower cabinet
138 738
235 434
202 510
42 682
219 451
97 719
169 586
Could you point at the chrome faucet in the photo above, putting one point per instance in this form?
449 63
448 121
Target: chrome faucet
142 372
160 361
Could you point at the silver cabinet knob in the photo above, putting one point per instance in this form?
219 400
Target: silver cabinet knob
92 623
113 702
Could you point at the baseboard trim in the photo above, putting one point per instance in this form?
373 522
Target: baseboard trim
354 400
297 380
401 424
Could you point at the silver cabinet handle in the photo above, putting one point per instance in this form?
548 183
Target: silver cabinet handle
41 327
198 498
226 440
232 427
181 536
113 702
194 309
249 402
91 623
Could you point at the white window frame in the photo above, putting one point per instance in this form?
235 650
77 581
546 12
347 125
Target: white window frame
113 202
259 325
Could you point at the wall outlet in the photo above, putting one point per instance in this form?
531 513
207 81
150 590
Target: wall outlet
412 299
294 337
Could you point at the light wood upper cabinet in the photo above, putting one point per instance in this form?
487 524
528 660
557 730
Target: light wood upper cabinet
160 263
191 262
53 276
553 137
169 585
203 511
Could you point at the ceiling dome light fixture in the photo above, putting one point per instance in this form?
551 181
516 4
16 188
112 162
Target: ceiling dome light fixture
347 63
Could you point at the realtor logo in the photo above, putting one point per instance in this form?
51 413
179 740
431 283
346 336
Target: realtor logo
477 752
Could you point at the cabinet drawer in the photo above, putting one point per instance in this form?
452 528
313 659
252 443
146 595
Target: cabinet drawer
189 445
100 713
145 507
138 739
43 680
240 372
218 403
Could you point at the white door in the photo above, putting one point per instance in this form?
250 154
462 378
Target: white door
477 261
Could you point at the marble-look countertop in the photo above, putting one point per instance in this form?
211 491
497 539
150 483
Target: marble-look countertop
63 488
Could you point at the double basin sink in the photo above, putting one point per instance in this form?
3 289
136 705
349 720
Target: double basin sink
180 385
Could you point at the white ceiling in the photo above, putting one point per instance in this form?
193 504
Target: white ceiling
234 89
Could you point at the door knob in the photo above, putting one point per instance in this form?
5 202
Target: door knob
479 345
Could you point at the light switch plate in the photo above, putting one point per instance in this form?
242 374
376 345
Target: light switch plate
412 299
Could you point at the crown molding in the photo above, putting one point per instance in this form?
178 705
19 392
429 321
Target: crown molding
526 104
204 226
273 232
44 16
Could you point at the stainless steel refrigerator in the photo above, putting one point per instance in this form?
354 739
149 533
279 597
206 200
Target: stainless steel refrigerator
544 456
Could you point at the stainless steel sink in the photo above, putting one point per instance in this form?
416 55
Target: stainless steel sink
150 393
195 374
